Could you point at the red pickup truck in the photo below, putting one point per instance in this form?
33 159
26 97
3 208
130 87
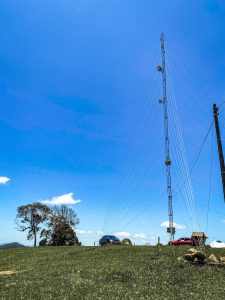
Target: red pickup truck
182 241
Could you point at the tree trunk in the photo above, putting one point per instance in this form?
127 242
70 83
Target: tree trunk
35 238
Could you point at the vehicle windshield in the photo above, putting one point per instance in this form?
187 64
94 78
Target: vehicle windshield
111 237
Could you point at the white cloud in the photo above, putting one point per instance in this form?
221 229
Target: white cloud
83 231
141 236
122 234
177 226
4 179
99 232
223 221
63 199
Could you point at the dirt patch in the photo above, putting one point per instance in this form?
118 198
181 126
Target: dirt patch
7 273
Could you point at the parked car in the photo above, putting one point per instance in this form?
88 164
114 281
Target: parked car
109 239
182 241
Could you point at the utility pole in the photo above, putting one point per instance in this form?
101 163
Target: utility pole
162 69
220 148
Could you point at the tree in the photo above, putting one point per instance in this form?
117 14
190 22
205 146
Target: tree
60 230
64 235
60 214
30 217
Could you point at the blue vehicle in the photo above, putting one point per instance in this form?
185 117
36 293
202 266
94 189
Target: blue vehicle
109 239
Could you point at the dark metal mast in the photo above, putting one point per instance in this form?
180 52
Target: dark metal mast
162 69
220 148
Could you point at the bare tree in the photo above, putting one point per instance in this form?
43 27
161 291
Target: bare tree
61 214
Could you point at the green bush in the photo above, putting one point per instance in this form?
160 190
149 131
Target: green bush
126 242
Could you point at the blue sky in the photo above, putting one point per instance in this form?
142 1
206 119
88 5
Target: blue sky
79 112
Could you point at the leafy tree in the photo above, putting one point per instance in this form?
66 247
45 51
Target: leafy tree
46 235
64 235
60 230
31 216
43 242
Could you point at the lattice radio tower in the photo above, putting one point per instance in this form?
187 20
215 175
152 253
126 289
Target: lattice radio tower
162 69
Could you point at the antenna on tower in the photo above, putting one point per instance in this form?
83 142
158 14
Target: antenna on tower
162 69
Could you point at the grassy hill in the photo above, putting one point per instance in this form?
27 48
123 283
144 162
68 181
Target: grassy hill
119 272
12 245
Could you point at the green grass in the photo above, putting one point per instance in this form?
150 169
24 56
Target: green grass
119 272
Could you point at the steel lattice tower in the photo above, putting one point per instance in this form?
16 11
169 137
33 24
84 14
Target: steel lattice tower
162 69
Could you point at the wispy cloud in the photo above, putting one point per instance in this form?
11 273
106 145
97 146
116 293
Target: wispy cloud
123 234
223 221
177 226
144 241
100 232
141 236
4 179
80 231
63 199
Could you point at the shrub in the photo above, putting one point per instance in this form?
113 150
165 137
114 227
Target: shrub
126 242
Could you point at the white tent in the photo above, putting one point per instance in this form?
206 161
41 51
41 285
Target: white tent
217 244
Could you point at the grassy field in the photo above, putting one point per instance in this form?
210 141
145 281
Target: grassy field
119 272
